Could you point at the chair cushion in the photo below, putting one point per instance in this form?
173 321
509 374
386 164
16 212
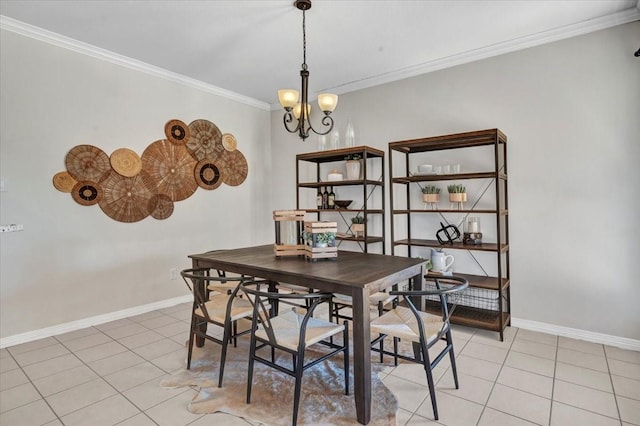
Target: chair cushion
401 322
385 298
286 328
217 308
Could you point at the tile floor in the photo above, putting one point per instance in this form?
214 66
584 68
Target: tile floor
109 375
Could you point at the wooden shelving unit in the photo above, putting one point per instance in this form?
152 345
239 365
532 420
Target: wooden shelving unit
368 184
475 316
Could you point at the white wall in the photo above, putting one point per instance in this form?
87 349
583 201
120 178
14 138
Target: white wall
571 112
73 262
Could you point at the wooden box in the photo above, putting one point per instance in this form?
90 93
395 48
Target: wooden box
288 225
320 240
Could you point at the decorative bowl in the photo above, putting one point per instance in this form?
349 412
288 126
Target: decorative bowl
343 204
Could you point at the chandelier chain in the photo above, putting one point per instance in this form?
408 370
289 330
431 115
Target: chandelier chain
304 42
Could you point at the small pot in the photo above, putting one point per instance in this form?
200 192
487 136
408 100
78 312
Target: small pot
431 198
458 197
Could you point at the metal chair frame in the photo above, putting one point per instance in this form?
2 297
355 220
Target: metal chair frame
200 279
421 349
262 302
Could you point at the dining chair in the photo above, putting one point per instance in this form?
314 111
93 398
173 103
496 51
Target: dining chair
221 309
380 300
293 333
423 329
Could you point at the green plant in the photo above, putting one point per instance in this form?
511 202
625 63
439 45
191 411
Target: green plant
325 237
350 157
456 188
358 219
430 189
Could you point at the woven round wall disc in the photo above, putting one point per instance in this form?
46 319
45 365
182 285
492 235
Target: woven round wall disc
64 182
208 174
87 193
160 206
125 162
205 140
125 199
87 162
169 168
177 132
234 167
229 142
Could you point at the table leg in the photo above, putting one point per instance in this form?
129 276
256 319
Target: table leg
362 354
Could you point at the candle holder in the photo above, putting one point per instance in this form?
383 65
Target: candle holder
472 234
288 227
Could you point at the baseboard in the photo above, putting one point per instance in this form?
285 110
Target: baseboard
89 322
575 333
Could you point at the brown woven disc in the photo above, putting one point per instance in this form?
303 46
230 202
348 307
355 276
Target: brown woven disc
126 162
63 181
87 193
177 132
126 199
205 140
208 174
234 167
160 206
87 162
169 168
229 142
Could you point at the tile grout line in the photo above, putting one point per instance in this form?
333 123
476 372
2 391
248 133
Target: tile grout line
613 388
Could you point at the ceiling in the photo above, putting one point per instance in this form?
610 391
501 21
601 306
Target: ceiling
253 48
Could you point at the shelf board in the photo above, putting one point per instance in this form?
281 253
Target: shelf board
405 211
472 317
369 211
339 154
368 239
456 245
340 183
458 140
456 176
479 281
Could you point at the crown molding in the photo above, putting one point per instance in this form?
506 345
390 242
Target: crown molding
55 39
623 17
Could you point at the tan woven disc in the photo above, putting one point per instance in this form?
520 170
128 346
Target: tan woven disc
205 140
87 162
63 181
160 206
126 162
169 169
87 193
229 142
126 199
177 132
208 174
234 167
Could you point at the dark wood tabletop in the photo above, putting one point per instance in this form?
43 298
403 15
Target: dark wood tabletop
351 273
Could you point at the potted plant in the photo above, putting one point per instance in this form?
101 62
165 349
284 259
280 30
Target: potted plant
457 193
352 166
319 239
430 194
357 225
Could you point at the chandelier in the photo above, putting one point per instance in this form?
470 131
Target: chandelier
289 97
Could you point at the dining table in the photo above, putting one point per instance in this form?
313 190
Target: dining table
351 273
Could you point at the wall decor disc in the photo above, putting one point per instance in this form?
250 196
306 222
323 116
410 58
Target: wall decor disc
205 140
87 162
169 168
160 206
208 174
229 142
64 182
87 193
177 132
234 167
125 199
126 162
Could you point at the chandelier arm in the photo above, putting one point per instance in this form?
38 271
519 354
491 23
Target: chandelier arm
288 118
327 120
